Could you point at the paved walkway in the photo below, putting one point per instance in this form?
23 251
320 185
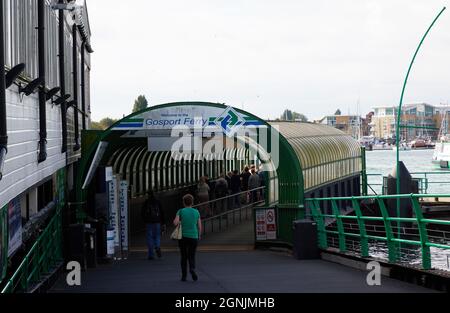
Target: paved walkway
230 272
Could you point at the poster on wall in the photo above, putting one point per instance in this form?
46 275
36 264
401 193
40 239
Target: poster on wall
113 196
3 242
60 187
271 225
266 225
261 230
15 226
123 201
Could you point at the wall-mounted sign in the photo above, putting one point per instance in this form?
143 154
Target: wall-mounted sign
3 241
266 225
123 203
261 230
113 196
228 120
15 226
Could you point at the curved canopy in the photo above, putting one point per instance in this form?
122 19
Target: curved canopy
302 155
325 153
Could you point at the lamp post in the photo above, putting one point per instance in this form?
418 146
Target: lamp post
400 114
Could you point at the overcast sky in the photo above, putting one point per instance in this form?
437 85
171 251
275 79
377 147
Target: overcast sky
264 56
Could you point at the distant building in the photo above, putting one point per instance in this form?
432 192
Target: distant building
349 124
420 120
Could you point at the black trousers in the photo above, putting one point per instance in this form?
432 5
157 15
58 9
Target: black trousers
188 248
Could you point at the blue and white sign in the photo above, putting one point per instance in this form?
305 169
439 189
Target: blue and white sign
227 121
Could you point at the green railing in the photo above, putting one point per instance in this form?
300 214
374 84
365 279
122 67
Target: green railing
427 181
45 254
367 234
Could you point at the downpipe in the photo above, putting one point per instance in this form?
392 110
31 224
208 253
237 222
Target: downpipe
42 156
62 77
3 119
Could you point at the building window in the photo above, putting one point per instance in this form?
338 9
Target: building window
45 194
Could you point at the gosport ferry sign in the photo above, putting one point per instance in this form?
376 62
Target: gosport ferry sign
229 121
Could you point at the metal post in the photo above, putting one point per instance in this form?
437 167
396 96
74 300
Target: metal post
362 229
426 253
340 226
364 172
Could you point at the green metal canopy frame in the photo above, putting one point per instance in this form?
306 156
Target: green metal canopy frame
289 171
399 117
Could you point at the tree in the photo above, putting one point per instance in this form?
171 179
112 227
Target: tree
290 116
338 112
140 104
298 117
103 124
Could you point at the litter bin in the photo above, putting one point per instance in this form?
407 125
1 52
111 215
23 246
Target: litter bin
91 247
77 244
305 240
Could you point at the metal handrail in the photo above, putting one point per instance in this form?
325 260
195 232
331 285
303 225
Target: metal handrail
43 256
364 235
228 197
227 213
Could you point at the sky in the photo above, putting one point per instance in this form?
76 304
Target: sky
313 57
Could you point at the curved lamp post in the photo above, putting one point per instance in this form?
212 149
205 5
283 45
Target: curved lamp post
400 114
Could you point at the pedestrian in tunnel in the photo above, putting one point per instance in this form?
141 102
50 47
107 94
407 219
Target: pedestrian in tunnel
191 225
244 181
221 192
254 182
153 217
235 187
203 197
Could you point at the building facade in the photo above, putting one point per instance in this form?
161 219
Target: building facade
44 106
419 121
349 124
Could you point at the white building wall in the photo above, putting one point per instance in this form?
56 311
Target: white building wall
22 170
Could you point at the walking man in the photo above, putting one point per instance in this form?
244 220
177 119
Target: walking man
153 216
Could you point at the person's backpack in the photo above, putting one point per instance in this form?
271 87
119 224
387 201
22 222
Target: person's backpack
152 212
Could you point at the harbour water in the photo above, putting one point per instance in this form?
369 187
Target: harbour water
383 162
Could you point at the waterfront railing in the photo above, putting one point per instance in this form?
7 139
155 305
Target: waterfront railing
412 240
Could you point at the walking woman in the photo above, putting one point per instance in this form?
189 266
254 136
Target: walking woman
191 225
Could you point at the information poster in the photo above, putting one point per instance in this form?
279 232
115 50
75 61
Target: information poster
271 224
15 226
113 195
3 241
123 201
261 230
266 225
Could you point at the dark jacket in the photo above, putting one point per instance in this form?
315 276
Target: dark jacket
235 185
245 176
152 212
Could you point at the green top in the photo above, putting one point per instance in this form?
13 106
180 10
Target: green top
189 220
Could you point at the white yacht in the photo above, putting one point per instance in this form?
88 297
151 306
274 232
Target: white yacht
441 155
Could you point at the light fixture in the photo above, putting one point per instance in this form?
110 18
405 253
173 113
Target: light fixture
32 87
61 100
13 74
71 104
52 92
